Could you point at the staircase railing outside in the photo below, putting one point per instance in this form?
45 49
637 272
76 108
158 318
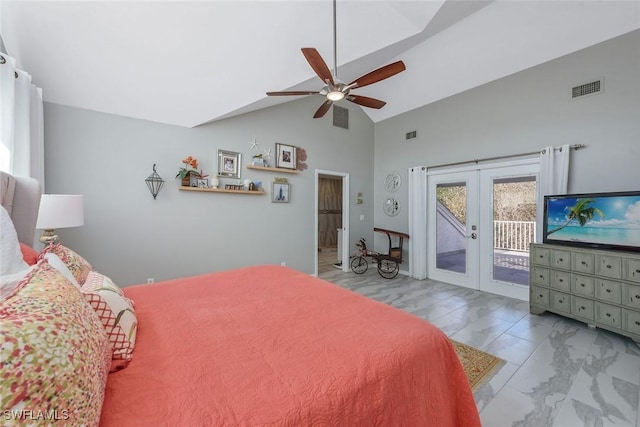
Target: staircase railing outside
513 235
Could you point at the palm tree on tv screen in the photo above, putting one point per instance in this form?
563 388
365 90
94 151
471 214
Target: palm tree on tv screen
580 212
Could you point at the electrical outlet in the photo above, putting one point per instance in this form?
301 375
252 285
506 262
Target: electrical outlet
151 280
283 263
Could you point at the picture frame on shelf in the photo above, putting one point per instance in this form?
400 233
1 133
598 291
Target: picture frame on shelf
229 164
202 182
280 191
286 156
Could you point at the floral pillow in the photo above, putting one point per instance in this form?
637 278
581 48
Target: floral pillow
78 266
54 353
117 315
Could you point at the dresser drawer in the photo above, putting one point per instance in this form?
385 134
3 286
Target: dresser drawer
631 295
540 256
582 262
539 296
560 301
608 290
560 280
609 266
632 270
561 259
631 321
582 285
582 307
540 276
608 315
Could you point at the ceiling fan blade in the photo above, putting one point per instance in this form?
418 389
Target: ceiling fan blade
379 74
317 63
323 109
301 92
365 101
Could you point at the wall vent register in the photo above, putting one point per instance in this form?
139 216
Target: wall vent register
591 88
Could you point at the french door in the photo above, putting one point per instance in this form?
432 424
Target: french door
480 224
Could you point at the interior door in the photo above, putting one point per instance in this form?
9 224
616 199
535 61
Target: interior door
453 228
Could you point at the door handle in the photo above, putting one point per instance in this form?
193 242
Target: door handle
473 236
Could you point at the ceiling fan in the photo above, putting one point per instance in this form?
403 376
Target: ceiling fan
335 89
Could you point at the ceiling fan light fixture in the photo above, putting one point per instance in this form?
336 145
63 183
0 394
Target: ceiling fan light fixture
335 95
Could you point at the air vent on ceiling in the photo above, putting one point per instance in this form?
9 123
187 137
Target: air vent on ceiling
592 88
411 135
340 117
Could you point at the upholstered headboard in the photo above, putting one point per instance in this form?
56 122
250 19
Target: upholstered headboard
20 196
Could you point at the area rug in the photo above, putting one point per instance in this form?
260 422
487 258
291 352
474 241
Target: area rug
478 365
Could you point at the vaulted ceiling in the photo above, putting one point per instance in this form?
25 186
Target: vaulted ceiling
188 63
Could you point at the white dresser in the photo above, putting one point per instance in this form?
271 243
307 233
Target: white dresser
598 287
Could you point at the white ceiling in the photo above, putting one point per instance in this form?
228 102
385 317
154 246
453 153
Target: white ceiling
190 62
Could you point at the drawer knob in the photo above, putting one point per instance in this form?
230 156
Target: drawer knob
637 271
608 266
583 263
560 280
582 307
638 323
560 260
560 301
608 314
637 296
540 296
609 290
541 276
582 284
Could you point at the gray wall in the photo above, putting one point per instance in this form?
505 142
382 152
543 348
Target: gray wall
523 113
130 237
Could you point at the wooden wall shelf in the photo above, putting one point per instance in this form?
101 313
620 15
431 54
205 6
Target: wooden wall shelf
268 169
220 190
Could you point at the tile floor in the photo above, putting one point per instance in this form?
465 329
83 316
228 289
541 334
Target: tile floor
558 372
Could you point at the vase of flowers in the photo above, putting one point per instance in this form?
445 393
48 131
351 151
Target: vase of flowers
190 169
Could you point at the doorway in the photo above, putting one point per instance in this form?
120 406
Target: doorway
331 221
481 221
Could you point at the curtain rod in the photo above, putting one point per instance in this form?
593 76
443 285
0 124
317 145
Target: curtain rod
509 156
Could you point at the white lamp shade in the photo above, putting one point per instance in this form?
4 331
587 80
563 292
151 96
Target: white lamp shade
60 211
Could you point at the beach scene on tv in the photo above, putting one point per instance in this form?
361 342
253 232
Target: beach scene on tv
607 220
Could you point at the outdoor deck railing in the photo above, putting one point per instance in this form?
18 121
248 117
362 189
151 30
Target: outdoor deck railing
513 235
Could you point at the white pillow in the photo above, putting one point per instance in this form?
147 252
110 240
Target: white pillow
55 262
11 260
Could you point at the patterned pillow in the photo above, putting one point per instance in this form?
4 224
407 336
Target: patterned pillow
54 353
78 266
117 315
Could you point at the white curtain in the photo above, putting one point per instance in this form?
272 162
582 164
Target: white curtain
418 222
554 170
21 122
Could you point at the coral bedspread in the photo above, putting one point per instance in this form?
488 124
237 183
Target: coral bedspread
271 346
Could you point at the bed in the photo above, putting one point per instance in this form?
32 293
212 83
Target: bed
256 346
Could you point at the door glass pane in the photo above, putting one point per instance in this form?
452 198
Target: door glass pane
451 217
514 228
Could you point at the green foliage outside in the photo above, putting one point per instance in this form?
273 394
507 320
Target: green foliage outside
512 201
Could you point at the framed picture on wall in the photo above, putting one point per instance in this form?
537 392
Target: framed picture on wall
285 156
280 191
229 164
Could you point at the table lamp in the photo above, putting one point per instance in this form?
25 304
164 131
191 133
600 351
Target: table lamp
59 211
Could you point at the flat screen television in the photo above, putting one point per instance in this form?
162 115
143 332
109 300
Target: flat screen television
596 220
